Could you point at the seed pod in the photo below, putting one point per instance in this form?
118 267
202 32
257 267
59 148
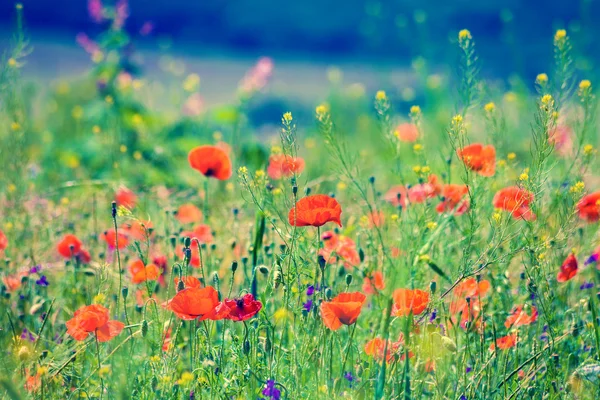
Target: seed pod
361 255
114 209
234 266
187 242
264 269
448 344
180 286
125 292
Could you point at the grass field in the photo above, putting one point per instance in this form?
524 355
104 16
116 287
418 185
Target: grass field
164 237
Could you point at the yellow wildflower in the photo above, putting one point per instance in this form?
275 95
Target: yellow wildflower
287 117
541 79
489 107
380 95
464 34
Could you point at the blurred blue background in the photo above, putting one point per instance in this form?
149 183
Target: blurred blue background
362 36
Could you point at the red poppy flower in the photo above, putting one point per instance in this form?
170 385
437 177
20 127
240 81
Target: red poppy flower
407 132
93 319
315 210
516 201
188 213
211 161
243 308
519 317
373 283
203 233
281 165
12 282
69 247
568 269
343 309
376 348
479 158
471 288
561 137
3 241
454 199
376 219
138 230
141 273
33 382
589 207
423 191
468 310
188 282
194 303
339 247
505 342
125 198
111 239
167 340
397 196
407 301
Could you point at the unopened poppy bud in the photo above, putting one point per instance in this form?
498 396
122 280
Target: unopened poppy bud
361 255
432 286
187 253
246 347
448 343
234 266
348 280
173 241
269 186
180 286
114 209
321 261
244 260
187 242
328 293
233 244
235 212
282 248
371 180
144 328
213 246
294 190
125 292
307 191
264 269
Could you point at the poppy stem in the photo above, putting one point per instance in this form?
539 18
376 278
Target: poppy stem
99 366
205 203
349 347
114 217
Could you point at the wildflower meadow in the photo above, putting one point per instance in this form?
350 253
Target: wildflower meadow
373 244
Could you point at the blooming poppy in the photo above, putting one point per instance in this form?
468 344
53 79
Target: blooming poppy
188 213
373 283
138 230
188 282
561 137
202 232
211 161
315 210
423 191
568 269
193 303
505 342
407 132
339 247
343 309
167 340
141 273
479 158
407 301
284 166
3 241
471 288
519 317
242 308
589 207
113 240
516 201
33 382
454 199
12 282
93 319
376 348
125 198
397 196
69 246
376 219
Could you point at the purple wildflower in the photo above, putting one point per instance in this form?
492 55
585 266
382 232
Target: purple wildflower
27 335
271 391
433 315
307 306
310 290
586 285
592 259
36 269
95 10
42 281
348 376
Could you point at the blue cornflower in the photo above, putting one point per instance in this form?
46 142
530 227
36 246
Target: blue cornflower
271 391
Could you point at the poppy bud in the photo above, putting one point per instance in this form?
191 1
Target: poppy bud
294 190
244 260
125 292
246 347
448 344
328 293
361 254
180 286
235 212
233 244
321 261
371 180
144 328
234 266
348 280
187 242
213 246
264 269
282 248
269 186
307 191
173 241
114 209
432 286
